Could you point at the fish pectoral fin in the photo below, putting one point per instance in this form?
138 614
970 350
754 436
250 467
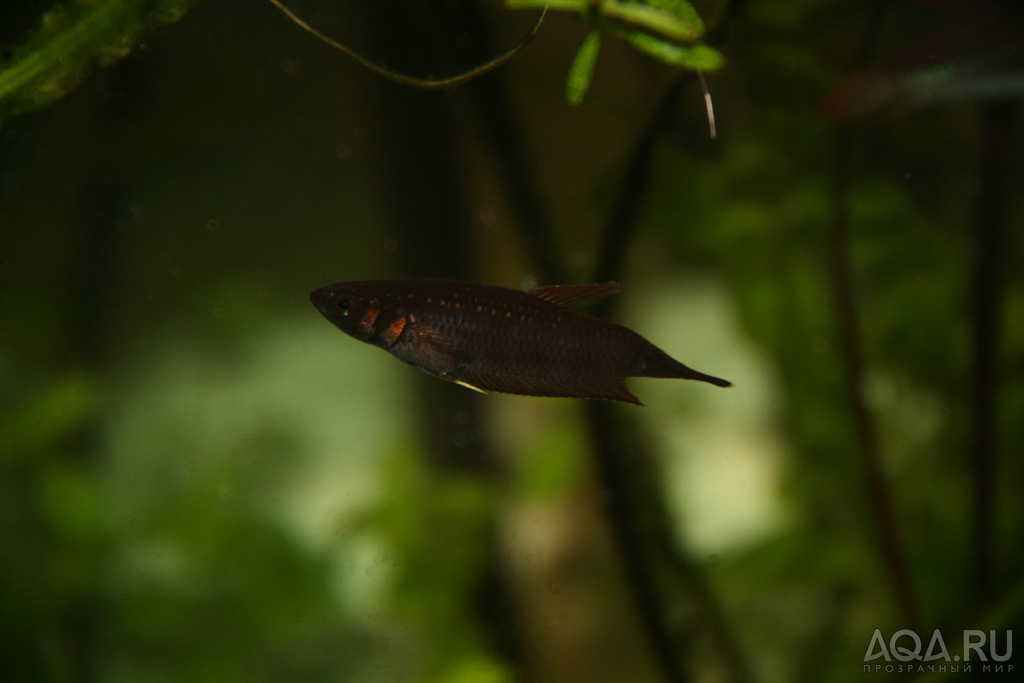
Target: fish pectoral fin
431 352
576 295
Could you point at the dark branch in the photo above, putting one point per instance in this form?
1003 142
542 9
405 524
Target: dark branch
639 519
622 222
637 552
988 294
848 332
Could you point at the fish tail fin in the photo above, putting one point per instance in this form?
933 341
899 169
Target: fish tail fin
660 364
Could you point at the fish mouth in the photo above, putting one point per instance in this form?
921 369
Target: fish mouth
321 299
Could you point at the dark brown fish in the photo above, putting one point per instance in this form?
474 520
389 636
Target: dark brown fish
496 339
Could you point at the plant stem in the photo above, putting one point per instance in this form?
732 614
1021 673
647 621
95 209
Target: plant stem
848 332
637 554
638 515
988 294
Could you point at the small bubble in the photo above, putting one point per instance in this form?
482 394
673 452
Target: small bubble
213 225
528 282
463 417
174 269
218 313
343 151
487 216
390 246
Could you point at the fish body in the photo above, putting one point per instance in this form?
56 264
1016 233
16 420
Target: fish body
498 339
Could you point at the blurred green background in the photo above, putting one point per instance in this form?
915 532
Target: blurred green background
201 479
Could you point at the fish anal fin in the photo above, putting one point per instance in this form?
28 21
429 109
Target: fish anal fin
576 295
620 392
607 388
469 386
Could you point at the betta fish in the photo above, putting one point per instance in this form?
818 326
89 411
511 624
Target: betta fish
491 338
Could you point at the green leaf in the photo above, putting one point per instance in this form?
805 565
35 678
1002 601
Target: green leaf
569 5
674 20
701 57
70 40
582 68
474 669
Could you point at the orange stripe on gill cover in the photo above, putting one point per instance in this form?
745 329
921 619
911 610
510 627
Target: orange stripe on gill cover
369 318
394 331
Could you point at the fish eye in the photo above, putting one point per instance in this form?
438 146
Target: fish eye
343 305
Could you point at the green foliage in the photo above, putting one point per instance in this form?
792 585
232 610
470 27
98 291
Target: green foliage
70 40
674 20
668 30
71 501
582 69
692 57
553 467
53 411
433 530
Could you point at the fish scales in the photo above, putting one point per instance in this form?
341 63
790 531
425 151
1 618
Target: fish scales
528 336
492 338
511 333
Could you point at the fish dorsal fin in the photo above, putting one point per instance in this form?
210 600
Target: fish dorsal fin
576 295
